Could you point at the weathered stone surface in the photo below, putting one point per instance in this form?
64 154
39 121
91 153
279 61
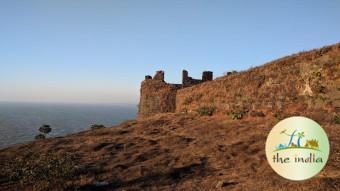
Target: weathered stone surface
159 75
188 81
157 96
207 76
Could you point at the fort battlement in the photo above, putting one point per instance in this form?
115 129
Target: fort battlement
158 96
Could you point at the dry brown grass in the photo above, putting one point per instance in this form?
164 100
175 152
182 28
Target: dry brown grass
172 152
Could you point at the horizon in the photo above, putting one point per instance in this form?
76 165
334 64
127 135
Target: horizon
81 103
99 52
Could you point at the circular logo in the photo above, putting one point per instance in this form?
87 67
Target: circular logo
297 148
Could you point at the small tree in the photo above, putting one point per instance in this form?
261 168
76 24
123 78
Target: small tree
44 130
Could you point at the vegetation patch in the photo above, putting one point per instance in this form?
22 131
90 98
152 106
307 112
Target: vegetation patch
198 96
230 72
316 79
184 111
336 119
40 136
190 99
44 130
205 110
319 88
49 168
237 115
278 116
97 126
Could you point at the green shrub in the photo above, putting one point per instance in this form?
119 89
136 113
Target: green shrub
45 129
336 119
97 126
205 110
231 72
236 115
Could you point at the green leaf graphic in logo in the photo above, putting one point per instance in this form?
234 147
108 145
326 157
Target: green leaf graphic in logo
310 144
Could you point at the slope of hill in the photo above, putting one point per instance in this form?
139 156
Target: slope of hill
215 141
304 82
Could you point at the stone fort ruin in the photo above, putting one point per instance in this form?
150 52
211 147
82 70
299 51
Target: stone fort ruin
158 96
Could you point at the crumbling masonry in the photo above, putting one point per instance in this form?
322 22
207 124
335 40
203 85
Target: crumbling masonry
158 96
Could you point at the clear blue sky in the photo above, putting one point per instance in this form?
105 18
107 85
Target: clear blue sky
100 50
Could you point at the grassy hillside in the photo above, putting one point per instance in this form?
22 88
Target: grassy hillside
307 82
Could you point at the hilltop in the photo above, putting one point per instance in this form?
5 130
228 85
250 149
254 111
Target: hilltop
211 138
300 83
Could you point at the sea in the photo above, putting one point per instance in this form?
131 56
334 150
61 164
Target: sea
19 122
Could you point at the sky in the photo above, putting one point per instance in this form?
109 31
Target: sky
99 51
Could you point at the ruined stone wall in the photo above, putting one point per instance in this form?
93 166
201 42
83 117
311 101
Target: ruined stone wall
188 81
157 96
207 76
291 85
